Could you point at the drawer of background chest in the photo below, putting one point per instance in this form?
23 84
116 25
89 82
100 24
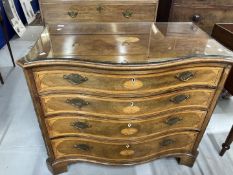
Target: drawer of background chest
205 2
123 151
115 129
74 12
126 85
204 16
125 107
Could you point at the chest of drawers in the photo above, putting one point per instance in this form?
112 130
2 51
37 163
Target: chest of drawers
204 13
124 93
72 11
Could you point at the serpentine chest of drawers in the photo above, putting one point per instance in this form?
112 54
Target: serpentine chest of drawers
205 13
124 93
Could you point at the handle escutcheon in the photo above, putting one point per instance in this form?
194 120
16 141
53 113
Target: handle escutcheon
173 120
166 142
127 13
185 76
77 102
83 147
75 79
73 13
80 125
179 98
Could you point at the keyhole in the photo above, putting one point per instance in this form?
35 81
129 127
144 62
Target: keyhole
133 80
132 104
75 44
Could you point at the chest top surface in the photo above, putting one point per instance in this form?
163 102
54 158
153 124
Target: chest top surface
124 43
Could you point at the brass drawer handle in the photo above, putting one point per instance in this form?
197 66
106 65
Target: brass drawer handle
100 9
73 13
127 13
179 98
80 125
173 120
166 142
196 18
75 78
83 147
77 102
185 76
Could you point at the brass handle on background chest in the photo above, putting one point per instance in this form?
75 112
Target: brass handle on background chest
75 78
80 125
185 76
77 102
127 13
179 98
166 142
83 147
173 120
73 13
196 18
100 9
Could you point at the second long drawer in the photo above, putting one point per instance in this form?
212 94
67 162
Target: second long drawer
125 107
88 126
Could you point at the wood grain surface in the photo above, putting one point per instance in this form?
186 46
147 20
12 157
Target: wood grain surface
62 126
59 12
125 108
178 142
53 81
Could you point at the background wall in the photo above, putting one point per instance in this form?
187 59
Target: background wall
19 9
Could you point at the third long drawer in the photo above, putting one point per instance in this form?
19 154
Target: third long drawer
62 126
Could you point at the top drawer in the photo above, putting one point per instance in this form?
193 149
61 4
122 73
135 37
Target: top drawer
71 12
129 84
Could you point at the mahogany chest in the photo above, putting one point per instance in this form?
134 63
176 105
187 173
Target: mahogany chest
72 11
205 13
124 93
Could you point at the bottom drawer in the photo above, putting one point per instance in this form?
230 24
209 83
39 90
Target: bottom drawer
123 152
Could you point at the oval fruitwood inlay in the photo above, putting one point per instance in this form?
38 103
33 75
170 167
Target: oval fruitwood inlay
128 39
131 109
129 131
127 152
133 84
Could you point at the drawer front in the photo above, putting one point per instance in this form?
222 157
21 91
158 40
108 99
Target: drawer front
123 151
205 17
125 107
115 129
74 12
203 2
92 83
